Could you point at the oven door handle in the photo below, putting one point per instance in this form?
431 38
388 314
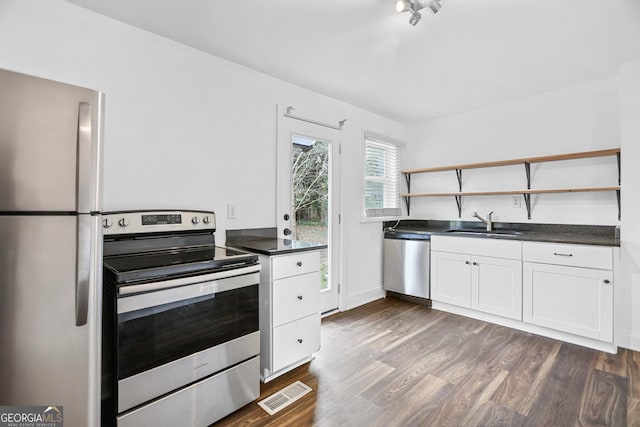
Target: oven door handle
174 283
183 293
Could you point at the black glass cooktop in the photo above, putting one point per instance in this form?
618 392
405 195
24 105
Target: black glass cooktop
165 264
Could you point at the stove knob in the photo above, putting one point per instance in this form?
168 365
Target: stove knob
206 220
107 223
195 220
123 222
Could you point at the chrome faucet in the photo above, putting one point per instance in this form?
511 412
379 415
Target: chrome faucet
487 221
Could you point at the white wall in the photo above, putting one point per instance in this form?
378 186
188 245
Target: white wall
628 284
574 119
185 129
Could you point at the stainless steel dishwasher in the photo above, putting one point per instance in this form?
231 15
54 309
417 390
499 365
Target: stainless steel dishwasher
406 263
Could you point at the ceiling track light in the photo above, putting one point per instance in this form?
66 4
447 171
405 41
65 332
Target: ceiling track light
414 6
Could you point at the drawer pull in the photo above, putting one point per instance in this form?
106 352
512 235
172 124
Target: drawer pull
559 254
474 263
467 262
299 263
300 297
300 340
606 281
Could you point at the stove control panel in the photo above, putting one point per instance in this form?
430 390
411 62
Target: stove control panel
140 222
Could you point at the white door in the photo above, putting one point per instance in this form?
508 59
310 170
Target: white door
571 299
308 195
451 278
498 286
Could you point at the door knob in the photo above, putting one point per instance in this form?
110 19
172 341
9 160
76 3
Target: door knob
286 232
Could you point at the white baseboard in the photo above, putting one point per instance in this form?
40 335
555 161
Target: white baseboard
267 375
627 339
527 327
362 298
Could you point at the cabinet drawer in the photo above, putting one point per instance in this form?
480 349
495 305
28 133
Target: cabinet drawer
296 297
296 340
193 405
295 264
511 249
572 255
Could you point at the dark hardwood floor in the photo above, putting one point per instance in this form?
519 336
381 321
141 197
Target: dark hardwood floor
394 363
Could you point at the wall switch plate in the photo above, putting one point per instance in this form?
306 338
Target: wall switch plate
232 211
517 202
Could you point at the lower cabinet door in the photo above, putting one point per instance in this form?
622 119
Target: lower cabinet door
570 299
497 286
295 341
451 278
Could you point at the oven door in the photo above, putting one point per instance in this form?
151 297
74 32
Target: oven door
172 337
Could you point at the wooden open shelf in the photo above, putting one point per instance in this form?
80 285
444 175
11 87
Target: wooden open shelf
507 192
540 159
525 192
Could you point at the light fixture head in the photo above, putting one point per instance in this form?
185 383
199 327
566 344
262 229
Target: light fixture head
402 6
435 6
414 6
415 18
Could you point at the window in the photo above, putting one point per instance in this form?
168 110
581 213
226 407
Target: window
381 179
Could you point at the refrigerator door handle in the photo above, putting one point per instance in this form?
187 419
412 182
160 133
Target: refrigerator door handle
83 272
83 179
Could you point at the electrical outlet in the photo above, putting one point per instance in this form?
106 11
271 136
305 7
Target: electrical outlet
231 211
517 202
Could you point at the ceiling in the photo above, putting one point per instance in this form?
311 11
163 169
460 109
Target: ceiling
472 53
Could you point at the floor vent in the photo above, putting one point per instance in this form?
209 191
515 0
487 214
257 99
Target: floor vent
285 397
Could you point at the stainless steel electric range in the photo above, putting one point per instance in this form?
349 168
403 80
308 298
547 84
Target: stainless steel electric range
180 321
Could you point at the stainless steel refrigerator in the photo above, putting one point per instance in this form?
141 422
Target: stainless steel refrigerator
50 246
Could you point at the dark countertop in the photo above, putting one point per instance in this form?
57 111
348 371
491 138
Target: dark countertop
265 241
275 246
528 232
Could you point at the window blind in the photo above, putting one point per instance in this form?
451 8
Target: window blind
381 179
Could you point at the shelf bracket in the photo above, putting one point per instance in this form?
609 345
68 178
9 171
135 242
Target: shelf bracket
459 175
527 170
618 157
527 202
459 203
407 200
618 197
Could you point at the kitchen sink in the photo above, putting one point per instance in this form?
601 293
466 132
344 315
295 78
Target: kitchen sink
480 232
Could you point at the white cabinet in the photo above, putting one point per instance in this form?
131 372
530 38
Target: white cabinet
462 275
497 286
295 297
295 341
563 291
289 311
451 278
569 288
